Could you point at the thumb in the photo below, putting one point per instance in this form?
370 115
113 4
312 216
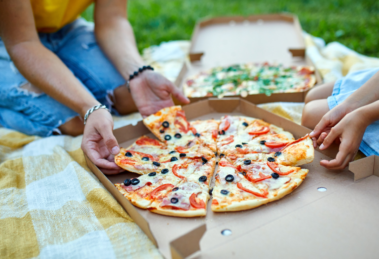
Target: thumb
178 94
109 139
324 122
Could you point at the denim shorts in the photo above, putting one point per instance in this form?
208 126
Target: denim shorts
346 86
34 112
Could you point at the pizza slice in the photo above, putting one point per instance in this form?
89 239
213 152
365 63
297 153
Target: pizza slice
187 199
255 185
170 125
207 131
142 157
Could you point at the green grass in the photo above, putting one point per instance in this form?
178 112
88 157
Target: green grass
354 23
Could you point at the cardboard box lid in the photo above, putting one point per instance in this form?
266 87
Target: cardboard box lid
320 220
223 41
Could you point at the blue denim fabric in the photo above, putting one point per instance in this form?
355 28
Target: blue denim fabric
39 114
343 88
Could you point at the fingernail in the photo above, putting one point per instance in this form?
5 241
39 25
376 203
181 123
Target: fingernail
321 146
115 150
311 134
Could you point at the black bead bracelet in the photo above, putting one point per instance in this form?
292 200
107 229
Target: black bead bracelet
140 70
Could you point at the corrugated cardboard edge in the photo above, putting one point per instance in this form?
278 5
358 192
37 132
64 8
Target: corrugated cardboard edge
187 244
131 210
365 167
257 98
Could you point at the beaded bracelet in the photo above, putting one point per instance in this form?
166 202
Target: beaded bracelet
140 70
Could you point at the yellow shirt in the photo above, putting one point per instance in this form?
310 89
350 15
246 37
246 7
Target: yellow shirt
51 15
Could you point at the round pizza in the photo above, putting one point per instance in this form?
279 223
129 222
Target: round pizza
257 163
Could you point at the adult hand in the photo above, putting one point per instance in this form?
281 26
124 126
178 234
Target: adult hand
99 143
328 121
350 132
152 92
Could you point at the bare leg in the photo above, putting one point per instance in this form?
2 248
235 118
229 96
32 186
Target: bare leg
320 92
123 101
313 112
73 127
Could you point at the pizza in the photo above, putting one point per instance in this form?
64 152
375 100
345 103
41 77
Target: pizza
258 163
250 78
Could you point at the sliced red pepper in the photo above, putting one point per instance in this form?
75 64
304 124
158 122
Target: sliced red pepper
141 154
262 195
214 134
305 71
273 166
214 202
275 144
228 140
194 203
181 150
181 114
191 128
262 131
227 125
128 162
181 127
175 172
148 141
262 177
296 141
160 188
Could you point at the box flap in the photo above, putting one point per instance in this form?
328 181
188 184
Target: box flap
365 167
187 244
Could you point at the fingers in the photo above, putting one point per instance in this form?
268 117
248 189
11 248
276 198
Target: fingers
339 163
321 139
178 94
109 139
324 122
328 140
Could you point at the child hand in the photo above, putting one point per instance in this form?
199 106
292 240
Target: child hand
350 132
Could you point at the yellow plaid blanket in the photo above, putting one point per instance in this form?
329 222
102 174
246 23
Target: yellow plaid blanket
52 206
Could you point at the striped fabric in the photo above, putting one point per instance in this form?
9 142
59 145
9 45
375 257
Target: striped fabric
52 206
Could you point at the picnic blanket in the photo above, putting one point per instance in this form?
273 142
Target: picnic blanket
52 206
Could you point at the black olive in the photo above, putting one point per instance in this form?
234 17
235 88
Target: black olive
189 143
245 124
277 153
197 135
223 132
202 178
224 192
178 135
127 182
247 162
204 160
175 189
165 124
128 154
262 142
216 163
145 158
216 154
240 146
243 173
172 152
152 174
173 159
167 137
164 171
135 181
210 191
161 131
221 155
182 155
244 143
219 133
174 200
229 178
156 163
275 175
271 159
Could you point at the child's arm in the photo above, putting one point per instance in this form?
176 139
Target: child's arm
350 132
366 94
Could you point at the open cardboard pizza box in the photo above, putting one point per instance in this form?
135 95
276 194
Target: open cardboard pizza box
330 215
224 41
